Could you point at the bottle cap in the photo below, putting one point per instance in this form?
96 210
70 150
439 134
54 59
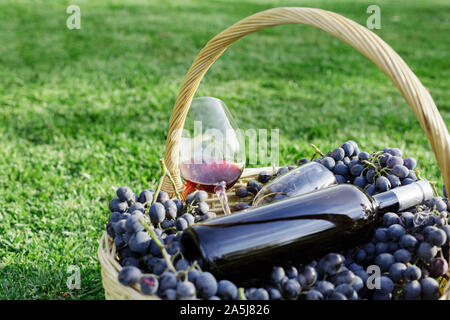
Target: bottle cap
413 194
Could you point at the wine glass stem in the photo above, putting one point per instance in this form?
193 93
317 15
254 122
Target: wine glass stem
222 195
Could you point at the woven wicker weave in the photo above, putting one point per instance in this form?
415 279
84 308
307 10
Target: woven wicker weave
362 39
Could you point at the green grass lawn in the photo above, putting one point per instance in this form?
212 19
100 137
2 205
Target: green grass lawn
83 112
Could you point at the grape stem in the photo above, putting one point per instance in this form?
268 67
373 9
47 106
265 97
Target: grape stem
167 172
152 234
370 164
158 189
317 150
241 293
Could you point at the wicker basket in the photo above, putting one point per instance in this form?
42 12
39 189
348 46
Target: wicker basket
362 39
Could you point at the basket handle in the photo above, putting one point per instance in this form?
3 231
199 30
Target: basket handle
359 37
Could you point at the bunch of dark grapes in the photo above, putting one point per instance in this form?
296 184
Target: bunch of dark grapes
374 172
141 255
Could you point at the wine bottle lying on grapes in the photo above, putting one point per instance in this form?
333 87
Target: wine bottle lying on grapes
239 247
306 178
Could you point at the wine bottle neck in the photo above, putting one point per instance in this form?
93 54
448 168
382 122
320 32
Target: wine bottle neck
404 197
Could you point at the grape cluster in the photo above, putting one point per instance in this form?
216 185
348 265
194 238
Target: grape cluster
410 249
141 255
374 172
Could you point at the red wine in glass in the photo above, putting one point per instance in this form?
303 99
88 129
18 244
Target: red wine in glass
212 151
209 173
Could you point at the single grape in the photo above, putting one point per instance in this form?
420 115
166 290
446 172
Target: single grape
157 213
402 255
168 280
345 276
149 284
129 275
114 217
438 267
182 264
202 208
328 162
291 272
242 192
314 295
382 183
384 158
386 285
407 181
146 196
162 197
282 170
192 275
116 205
264 177
430 289
257 294
400 171
426 251
336 296
363 156
396 231
274 293
384 261
382 235
438 203
370 189
169 294
370 175
133 224
397 271
412 290
338 154
277 274
185 290
206 285
394 180
393 161
291 289
181 224
200 196
302 161
331 263
120 226
390 219
139 242
189 218
171 209
341 169
324 287
137 207
254 186
360 182
408 242
227 290
125 194
356 170
241 206
348 148
410 163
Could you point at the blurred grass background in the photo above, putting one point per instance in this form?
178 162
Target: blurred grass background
83 112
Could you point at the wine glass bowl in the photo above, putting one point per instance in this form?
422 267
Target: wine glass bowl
212 151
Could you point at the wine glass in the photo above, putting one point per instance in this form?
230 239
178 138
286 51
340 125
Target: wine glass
212 151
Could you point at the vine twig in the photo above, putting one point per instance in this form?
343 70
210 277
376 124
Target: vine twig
164 253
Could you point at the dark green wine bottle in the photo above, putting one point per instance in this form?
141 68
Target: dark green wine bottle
242 245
